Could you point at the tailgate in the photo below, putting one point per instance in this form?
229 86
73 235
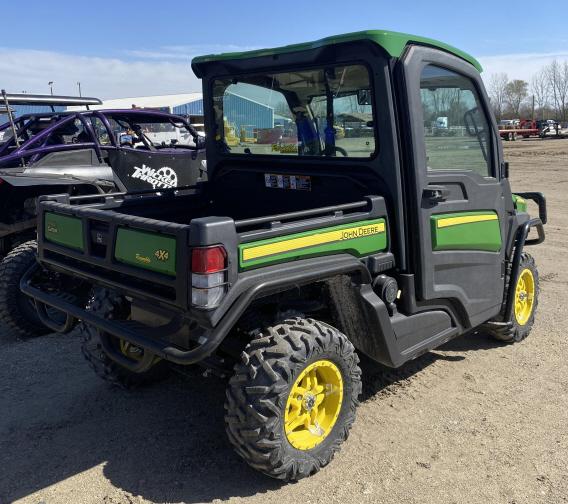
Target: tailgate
135 254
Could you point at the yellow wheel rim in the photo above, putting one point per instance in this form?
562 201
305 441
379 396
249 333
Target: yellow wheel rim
524 296
131 351
313 405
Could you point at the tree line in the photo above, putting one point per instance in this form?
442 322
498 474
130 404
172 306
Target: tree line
544 97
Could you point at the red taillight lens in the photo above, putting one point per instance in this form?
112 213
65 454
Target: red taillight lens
208 260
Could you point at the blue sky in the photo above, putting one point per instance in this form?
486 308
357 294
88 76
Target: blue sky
131 48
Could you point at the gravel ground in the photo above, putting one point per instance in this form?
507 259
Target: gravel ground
472 422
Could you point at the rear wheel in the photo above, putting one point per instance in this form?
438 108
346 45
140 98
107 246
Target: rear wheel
113 306
292 400
18 311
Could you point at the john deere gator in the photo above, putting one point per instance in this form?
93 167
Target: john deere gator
383 225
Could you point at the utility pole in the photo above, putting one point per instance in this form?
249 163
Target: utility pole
79 84
532 115
50 84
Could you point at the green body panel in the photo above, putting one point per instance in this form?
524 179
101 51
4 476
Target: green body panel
392 42
151 251
63 230
484 235
358 246
520 203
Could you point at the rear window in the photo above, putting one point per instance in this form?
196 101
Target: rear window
324 112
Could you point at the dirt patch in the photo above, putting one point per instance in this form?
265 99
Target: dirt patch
473 422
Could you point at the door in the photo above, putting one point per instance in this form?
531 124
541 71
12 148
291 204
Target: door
459 209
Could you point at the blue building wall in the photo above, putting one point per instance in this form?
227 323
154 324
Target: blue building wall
242 112
192 108
239 111
20 110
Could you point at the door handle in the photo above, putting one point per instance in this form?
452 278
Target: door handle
436 193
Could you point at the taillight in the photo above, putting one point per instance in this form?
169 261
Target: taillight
208 260
208 276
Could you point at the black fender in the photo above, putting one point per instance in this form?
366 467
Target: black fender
520 242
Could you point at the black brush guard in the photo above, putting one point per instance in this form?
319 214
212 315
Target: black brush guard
521 241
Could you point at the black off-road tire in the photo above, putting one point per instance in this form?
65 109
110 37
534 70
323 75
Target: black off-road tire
19 239
17 311
511 331
113 306
258 391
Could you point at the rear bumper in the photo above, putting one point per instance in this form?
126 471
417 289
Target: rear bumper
153 339
207 336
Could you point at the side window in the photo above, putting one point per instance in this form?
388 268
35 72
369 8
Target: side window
456 130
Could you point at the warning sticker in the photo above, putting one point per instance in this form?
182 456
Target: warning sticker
295 182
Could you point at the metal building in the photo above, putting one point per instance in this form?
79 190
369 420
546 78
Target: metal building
20 110
240 112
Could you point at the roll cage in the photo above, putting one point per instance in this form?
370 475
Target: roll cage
35 147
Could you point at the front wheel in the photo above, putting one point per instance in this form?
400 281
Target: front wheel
525 303
292 400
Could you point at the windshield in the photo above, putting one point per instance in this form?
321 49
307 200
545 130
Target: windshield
5 134
319 112
135 132
166 133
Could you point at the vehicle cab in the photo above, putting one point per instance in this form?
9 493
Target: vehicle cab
387 114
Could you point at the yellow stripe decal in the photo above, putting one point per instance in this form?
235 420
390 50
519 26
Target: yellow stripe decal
312 240
455 221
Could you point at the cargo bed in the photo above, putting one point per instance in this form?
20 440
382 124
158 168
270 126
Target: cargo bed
109 241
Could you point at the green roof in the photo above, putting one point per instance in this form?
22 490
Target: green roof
392 42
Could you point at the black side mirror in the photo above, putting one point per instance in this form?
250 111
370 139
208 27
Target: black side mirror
200 142
364 97
471 125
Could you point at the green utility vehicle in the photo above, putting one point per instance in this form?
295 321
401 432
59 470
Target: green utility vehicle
367 210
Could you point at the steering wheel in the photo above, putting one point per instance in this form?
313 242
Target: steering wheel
341 150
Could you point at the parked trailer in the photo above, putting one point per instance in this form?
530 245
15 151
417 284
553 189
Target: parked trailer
525 129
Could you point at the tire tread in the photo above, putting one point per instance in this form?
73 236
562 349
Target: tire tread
255 395
12 267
